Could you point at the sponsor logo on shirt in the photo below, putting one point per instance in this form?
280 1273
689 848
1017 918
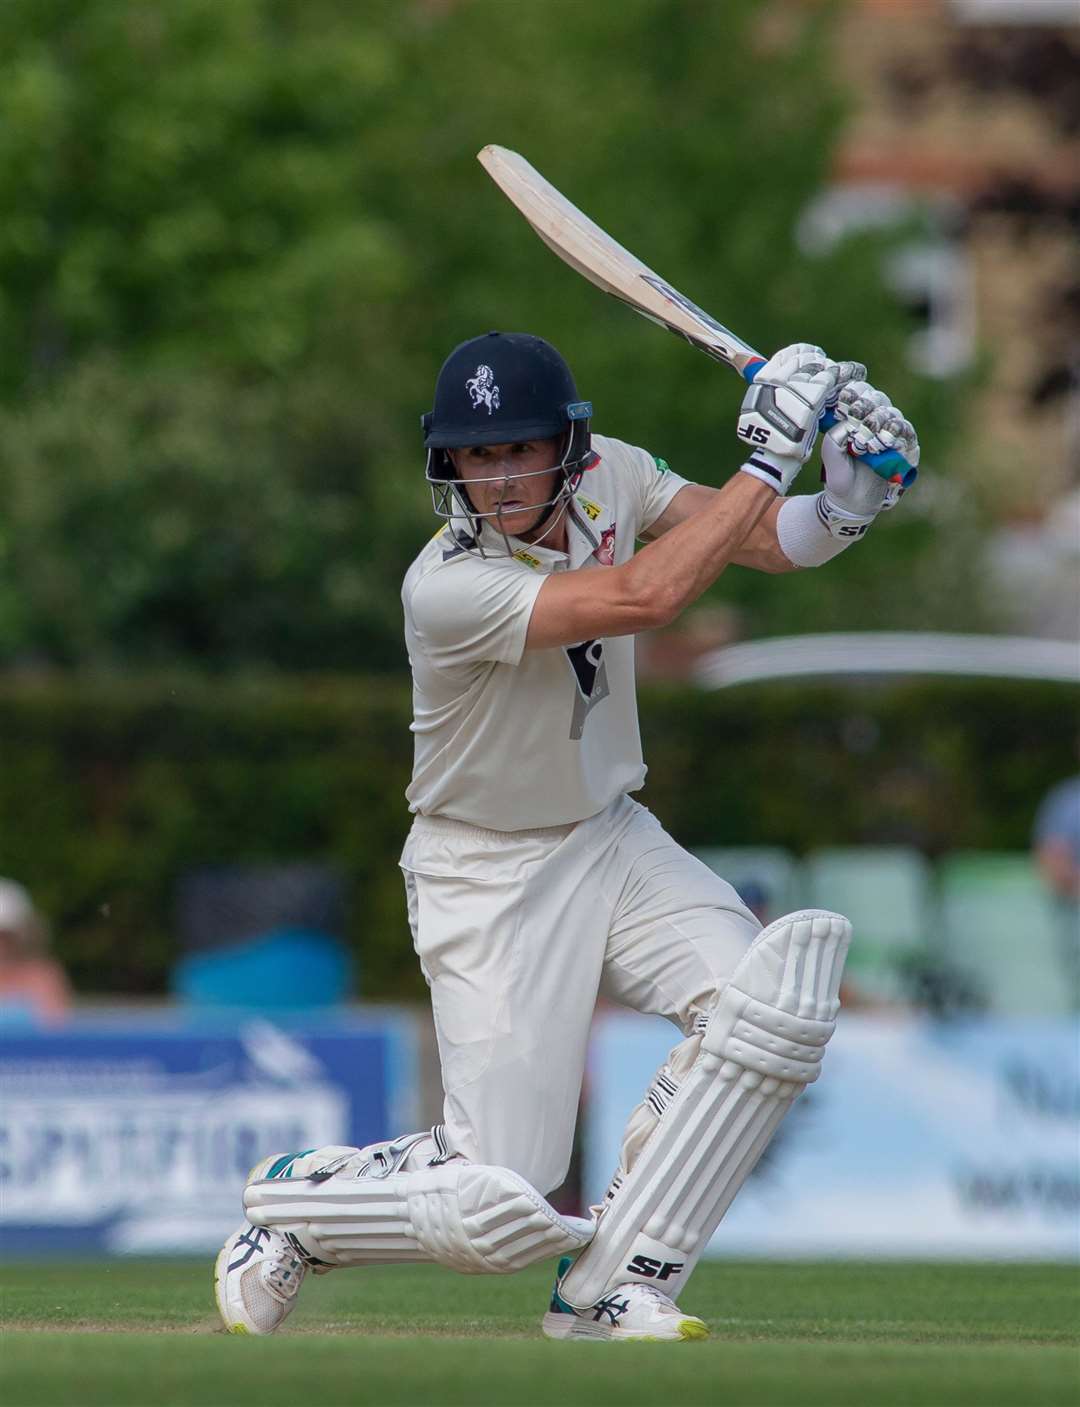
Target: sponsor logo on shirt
592 510
530 561
662 466
605 550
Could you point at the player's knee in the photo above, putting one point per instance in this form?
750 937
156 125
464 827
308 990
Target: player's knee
731 939
779 1010
543 1170
556 1175
529 1148
545 1167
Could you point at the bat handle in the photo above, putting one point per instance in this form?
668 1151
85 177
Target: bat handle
891 465
751 369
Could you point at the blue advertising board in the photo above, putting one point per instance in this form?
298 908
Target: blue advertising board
951 1140
135 1136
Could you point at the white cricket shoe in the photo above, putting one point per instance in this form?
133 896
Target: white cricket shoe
631 1312
258 1272
256 1280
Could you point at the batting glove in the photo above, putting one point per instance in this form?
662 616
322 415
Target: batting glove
783 409
869 458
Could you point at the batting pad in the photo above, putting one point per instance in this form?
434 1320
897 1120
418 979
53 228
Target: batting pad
762 1045
469 1216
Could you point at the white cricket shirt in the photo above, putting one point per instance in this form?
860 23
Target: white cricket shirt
515 740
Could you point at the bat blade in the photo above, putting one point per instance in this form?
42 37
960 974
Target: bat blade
589 250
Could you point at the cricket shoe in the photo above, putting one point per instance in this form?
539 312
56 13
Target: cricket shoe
629 1313
259 1272
257 1277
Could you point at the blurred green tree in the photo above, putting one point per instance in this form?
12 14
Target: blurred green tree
241 237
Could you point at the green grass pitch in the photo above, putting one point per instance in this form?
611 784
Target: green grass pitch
144 1334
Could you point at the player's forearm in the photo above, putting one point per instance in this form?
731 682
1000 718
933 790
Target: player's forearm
760 549
678 567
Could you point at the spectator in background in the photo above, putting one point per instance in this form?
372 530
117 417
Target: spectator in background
33 986
1056 844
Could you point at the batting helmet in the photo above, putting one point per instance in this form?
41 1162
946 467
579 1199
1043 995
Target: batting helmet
503 388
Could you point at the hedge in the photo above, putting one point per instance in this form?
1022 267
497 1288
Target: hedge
111 788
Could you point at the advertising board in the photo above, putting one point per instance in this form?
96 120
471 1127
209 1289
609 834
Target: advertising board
130 1137
951 1140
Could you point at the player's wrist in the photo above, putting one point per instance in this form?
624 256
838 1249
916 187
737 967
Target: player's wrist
809 535
776 470
839 521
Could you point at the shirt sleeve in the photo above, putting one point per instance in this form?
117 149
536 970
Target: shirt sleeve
473 611
654 484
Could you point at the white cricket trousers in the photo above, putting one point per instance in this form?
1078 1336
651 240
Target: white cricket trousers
518 932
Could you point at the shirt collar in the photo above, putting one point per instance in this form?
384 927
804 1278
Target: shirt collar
586 520
534 555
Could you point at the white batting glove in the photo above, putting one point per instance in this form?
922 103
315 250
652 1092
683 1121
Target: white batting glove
869 457
782 410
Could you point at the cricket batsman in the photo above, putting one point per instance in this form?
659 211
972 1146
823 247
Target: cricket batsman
536 882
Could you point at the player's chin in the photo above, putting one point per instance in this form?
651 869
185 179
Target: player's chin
517 522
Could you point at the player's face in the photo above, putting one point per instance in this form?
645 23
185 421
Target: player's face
514 481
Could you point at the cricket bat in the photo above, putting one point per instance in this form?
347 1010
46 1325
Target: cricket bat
596 256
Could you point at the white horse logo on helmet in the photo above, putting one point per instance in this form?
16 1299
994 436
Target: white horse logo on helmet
483 390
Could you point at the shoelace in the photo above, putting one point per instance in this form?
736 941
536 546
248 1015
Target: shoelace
283 1275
